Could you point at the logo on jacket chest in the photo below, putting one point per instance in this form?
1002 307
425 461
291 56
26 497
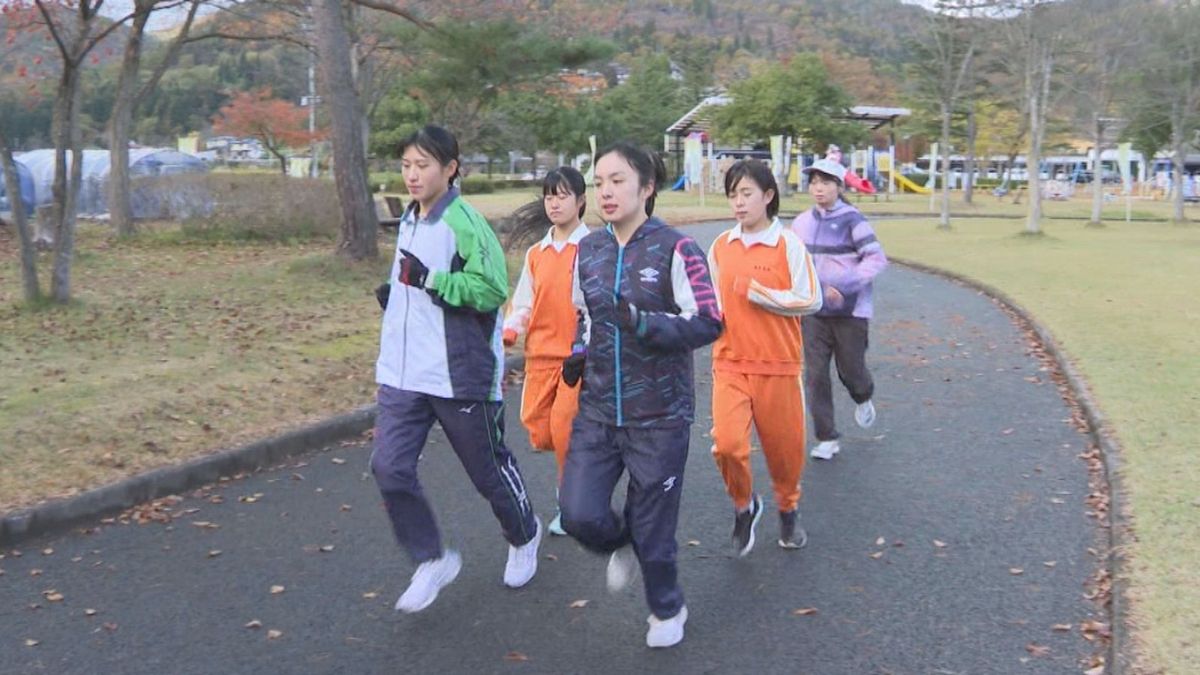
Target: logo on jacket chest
648 275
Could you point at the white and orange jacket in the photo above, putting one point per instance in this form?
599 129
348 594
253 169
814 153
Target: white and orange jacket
541 305
765 282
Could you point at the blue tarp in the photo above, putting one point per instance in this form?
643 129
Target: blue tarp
25 180
93 196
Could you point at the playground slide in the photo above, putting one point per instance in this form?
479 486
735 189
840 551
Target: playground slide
906 184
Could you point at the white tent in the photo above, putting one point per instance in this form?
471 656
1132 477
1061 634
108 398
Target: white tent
147 198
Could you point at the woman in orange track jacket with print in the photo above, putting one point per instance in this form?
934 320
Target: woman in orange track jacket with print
542 309
765 282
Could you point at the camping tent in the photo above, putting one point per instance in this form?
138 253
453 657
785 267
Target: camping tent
93 196
25 181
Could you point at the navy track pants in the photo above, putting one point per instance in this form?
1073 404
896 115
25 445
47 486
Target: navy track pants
655 458
476 432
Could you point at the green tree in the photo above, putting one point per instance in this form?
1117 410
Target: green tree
795 99
648 102
465 68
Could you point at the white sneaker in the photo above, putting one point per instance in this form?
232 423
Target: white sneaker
523 560
666 632
556 527
826 449
431 576
622 566
864 414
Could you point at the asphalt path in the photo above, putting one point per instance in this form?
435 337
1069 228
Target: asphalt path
952 537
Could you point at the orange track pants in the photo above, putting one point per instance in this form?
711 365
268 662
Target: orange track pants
548 408
775 403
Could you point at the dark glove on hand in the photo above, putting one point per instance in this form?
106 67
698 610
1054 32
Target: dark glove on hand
627 314
413 272
382 294
572 368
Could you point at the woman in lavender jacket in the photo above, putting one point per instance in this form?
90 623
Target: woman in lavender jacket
847 257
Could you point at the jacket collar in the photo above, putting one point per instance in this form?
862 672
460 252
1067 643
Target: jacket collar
652 224
435 214
573 238
770 236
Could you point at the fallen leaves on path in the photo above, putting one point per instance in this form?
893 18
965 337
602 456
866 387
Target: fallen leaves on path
515 656
939 543
30 642
253 624
804 611
1016 571
274 634
1037 650
276 590
578 604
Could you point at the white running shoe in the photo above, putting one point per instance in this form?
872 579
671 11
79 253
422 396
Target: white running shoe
826 449
864 414
523 560
556 527
666 632
431 576
622 566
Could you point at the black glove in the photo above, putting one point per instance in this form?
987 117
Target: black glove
412 271
627 314
382 294
572 368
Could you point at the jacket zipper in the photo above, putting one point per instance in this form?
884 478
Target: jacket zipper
407 304
617 329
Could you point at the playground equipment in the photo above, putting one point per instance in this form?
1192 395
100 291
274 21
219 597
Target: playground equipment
908 185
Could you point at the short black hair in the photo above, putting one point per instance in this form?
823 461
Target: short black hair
760 174
435 142
647 163
565 178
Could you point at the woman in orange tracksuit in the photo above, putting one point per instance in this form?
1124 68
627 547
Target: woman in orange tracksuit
543 311
765 281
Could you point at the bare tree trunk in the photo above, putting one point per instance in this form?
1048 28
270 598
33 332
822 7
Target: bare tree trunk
1040 85
944 221
119 209
128 96
1178 148
1097 173
12 186
358 237
66 195
972 132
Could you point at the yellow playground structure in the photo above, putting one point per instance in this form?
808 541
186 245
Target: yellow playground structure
884 166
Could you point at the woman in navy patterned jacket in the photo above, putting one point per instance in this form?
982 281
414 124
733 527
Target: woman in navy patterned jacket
646 301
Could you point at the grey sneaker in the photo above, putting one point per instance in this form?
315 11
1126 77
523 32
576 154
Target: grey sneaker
622 568
744 524
864 414
523 560
791 532
826 449
666 632
431 576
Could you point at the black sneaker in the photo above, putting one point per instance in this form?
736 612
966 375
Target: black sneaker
744 524
791 532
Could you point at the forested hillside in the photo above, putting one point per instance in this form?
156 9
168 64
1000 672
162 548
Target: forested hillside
707 43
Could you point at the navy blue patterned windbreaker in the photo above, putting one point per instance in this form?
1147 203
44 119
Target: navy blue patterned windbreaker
643 377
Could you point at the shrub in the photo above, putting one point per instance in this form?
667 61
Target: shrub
265 207
477 185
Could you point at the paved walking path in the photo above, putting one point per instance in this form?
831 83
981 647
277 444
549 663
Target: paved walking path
969 476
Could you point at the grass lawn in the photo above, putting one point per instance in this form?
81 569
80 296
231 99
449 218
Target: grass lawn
1122 300
172 351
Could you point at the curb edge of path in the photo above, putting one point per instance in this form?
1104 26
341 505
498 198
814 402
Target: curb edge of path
1117 661
60 514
